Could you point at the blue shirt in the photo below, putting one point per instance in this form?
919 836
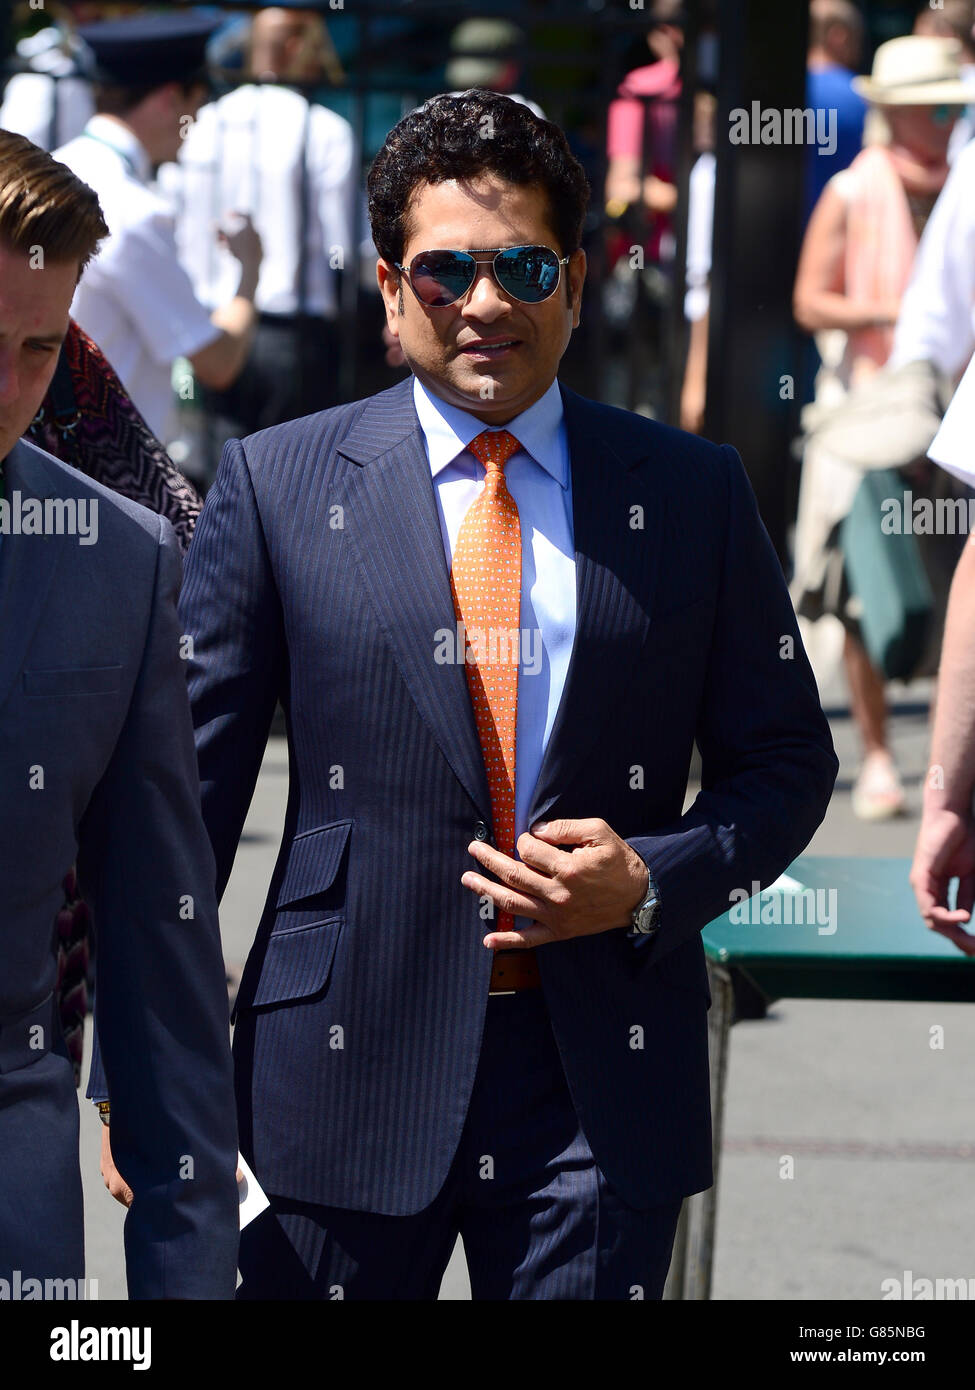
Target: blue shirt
539 480
831 89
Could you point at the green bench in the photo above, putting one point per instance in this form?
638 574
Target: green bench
831 928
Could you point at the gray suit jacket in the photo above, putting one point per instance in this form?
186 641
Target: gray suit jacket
97 765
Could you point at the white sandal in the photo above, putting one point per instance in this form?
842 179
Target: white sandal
877 792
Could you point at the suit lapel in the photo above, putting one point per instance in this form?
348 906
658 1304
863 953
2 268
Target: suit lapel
394 528
615 577
27 566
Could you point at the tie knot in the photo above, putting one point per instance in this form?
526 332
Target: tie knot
494 448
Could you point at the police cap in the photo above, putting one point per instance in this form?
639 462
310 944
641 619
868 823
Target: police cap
147 50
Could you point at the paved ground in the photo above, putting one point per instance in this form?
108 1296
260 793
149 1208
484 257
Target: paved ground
881 1128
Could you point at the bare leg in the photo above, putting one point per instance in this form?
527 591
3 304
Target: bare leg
867 699
877 792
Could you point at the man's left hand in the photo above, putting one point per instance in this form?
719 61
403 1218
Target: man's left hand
592 886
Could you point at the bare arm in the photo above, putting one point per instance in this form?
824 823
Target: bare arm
953 739
623 185
819 299
946 840
694 393
220 362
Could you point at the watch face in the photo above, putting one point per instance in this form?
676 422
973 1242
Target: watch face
646 915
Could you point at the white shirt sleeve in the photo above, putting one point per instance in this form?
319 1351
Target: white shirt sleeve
28 108
936 321
700 225
333 180
151 286
954 444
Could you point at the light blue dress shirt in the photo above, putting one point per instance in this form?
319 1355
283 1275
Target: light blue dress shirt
539 480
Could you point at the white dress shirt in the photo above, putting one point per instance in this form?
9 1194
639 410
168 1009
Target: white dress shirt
700 236
29 107
954 444
539 480
243 153
135 299
51 103
937 317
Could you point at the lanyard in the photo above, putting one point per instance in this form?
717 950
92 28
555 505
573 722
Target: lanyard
125 158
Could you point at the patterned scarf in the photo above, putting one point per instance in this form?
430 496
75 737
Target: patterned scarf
88 420
881 243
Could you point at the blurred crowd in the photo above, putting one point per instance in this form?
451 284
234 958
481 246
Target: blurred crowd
884 290
238 282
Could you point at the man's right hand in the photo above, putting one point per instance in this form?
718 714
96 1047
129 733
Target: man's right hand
242 240
945 850
114 1181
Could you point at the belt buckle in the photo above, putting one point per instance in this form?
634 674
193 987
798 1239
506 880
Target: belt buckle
495 993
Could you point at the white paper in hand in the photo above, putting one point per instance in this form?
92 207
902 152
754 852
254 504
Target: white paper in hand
249 1191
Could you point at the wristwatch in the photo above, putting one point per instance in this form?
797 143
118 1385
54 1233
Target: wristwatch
645 916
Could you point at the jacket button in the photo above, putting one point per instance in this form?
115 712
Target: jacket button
480 831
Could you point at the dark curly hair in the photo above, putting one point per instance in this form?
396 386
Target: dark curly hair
459 137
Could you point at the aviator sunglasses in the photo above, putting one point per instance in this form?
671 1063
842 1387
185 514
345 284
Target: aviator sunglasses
530 274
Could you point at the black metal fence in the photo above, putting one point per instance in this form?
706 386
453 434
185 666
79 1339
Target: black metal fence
391 56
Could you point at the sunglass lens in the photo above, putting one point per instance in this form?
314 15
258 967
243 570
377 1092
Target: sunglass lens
528 273
440 277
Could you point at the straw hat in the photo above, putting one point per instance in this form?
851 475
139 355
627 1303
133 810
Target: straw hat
918 70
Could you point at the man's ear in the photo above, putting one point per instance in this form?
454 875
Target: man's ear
575 278
390 282
170 96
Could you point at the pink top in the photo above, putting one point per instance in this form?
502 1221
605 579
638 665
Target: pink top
881 243
624 135
625 128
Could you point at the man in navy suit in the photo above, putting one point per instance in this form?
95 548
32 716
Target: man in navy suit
477 999
97 766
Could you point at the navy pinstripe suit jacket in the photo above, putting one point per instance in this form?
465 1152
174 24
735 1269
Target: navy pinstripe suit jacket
317 576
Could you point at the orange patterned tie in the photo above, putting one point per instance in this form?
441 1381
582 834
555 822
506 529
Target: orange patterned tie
485 581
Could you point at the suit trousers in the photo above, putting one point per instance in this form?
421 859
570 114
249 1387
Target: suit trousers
538 1218
41 1203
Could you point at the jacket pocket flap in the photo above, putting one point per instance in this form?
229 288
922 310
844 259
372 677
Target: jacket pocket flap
313 862
297 961
74 680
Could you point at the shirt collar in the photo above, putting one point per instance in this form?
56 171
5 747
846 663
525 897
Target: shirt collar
124 143
539 430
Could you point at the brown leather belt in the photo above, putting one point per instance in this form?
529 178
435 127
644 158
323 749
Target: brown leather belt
514 970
